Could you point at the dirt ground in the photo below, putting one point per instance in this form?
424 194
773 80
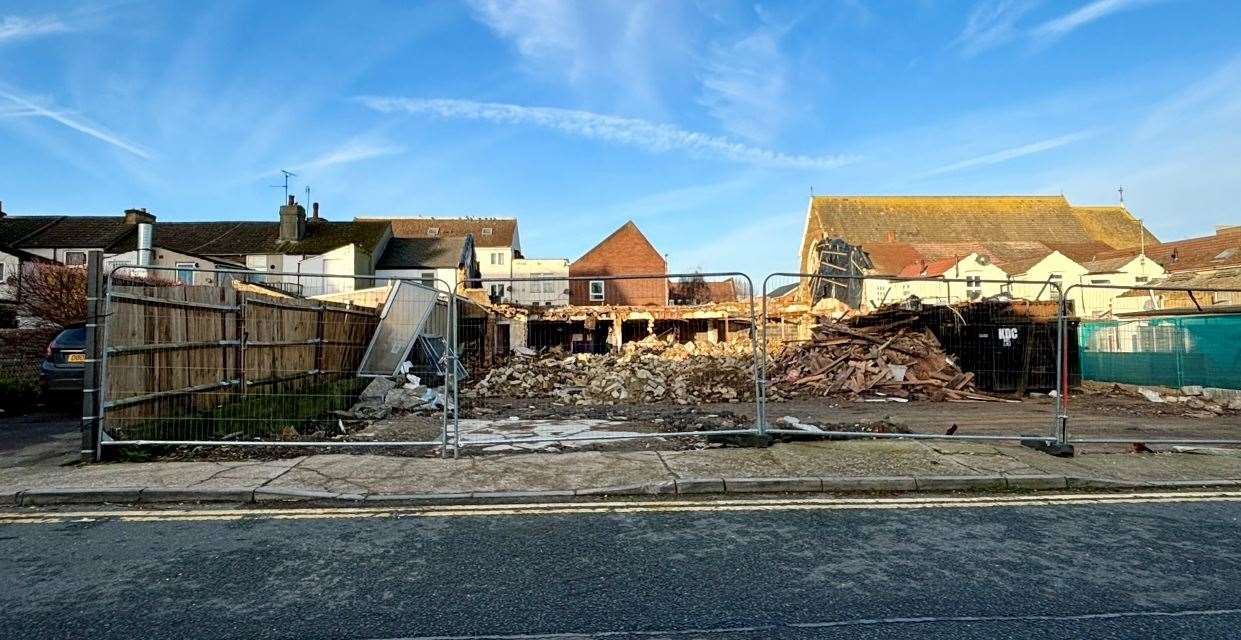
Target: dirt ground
1096 411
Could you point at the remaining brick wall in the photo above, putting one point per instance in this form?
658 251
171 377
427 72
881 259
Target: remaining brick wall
21 351
625 252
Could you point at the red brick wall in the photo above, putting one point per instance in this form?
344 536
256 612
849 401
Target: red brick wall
625 252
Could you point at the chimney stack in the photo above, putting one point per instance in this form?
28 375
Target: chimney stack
138 216
314 208
292 221
2 213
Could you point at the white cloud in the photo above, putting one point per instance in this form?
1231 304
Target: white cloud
1009 154
354 151
745 83
1071 21
14 28
633 132
991 24
29 108
544 31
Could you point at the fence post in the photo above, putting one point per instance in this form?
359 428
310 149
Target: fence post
92 393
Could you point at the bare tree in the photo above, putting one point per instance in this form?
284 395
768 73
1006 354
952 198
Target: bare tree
691 290
53 293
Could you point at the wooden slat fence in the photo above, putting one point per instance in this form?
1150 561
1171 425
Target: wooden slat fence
203 362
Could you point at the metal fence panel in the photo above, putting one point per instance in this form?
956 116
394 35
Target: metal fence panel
918 357
207 357
606 358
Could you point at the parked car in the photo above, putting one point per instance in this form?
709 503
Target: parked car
64 362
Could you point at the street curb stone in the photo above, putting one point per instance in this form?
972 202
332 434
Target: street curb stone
519 495
876 483
290 495
644 489
43 497
416 497
1037 482
689 486
1086 482
960 483
13 498
772 485
186 494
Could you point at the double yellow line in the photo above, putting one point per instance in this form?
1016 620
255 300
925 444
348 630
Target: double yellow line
617 506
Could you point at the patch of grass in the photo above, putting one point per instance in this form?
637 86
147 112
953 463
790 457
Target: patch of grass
283 414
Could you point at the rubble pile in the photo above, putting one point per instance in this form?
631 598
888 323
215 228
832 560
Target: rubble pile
385 396
1191 400
896 363
649 370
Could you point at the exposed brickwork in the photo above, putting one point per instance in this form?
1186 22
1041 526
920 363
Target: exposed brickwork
625 252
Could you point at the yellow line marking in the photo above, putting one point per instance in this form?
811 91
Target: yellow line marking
635 506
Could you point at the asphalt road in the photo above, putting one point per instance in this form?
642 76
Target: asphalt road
19 432
1100 571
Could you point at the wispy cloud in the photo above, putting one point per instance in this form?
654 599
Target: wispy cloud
1057 27
353 151
633 132
991 24
27 107
14 28
745 81
1012 153
542 30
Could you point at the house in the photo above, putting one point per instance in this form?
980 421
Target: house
546 293
1097 301
1216 288
982 279
625 252
445 263
896 232
1202 254
497 244
305 256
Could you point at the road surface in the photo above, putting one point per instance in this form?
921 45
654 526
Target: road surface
1169 569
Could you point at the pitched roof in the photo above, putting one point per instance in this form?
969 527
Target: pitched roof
626 232
413 253
1022 265
1218 251
1107 265
487 232
247 238
983 219
934 268
716 291
1222 279
61 232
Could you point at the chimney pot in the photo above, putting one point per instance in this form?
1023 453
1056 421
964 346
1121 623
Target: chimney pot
2 213
315 209
292 200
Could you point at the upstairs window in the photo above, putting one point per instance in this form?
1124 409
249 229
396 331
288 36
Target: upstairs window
497 257
75 258
596 291
486 231
433 231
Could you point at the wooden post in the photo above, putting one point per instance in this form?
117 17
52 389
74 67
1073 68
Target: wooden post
93 375
241 344
319 341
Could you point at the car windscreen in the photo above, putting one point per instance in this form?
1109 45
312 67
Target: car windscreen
71 338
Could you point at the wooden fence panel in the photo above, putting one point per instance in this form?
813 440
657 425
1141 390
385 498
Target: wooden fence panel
174 353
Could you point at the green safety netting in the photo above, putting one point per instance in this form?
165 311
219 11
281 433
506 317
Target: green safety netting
1171 351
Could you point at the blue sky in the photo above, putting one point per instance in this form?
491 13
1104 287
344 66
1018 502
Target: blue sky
708 123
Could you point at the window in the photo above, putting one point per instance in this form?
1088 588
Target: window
486 231
973 287
433 231
497 291
1055 279
75 258
497 257
1141 279
428 278
185 272
596 291
1100 281
549 286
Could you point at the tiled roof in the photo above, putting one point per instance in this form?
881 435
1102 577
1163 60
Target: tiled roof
930 269
63 232
1018 267
1219 251
718 291
14 229
1222 279
503 231
413 253
1107 265
247 238
1050 220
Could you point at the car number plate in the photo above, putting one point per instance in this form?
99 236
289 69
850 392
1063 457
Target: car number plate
77 358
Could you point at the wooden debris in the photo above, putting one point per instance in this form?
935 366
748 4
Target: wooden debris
889 361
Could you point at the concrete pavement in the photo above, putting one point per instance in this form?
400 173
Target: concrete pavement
829 466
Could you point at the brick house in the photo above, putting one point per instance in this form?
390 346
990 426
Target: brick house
625 252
